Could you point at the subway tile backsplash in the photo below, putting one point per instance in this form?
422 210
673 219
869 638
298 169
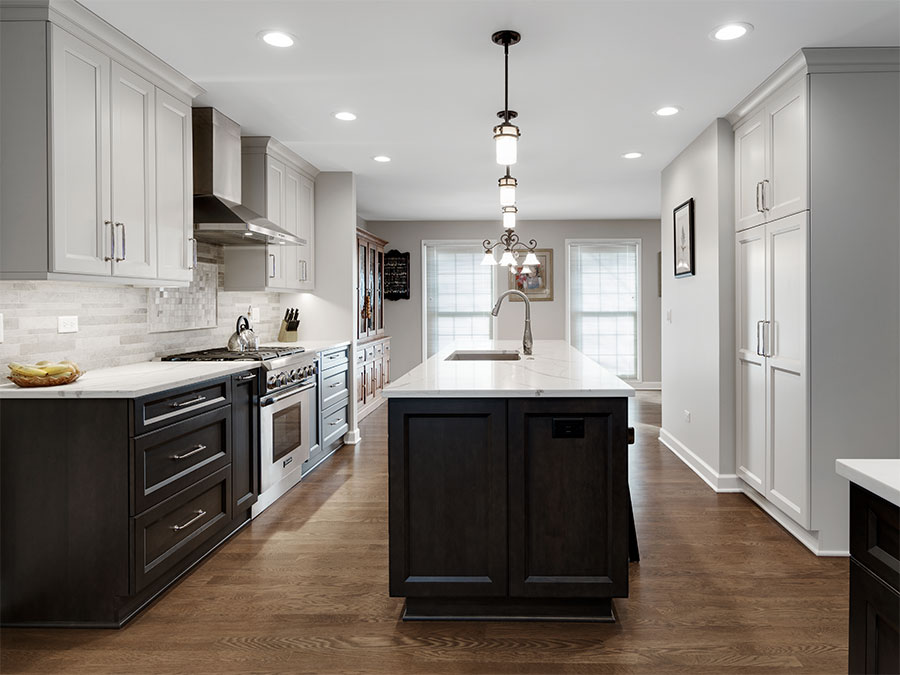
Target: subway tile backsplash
114 323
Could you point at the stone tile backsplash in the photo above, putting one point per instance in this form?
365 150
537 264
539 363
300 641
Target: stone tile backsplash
113 321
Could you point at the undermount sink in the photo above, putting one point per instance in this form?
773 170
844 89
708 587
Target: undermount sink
477 355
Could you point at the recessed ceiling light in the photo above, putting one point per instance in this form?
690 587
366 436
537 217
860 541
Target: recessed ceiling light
667 110
381 158
276 38
731 31
632 155
345 116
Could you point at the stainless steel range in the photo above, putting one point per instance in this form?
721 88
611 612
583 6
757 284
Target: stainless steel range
288 412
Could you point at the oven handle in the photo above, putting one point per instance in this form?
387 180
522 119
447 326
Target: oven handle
269 400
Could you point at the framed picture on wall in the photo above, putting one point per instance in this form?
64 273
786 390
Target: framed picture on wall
536 282
684 239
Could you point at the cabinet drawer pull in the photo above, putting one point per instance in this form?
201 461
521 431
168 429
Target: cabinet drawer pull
336 423
335 385
245 378
197 448
182 404
193 520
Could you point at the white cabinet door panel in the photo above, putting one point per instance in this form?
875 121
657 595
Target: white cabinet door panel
174 188
786 189
275 257
133 187
291 253
80 200
750 141
750 311
306 229
786 363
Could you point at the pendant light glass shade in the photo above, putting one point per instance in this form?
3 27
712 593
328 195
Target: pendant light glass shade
509 217
488 259
525 270
531 259
506 137
507 190
508 258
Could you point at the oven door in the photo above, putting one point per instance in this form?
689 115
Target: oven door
284 433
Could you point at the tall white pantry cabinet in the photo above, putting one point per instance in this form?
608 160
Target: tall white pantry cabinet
96 137
817 249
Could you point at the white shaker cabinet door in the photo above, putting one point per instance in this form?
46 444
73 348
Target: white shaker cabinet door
275 256
174 189
785 191
291 253
787 399
750 376
133 180
750 142
79 128
306 229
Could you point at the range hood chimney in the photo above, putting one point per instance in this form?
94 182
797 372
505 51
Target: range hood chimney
219 217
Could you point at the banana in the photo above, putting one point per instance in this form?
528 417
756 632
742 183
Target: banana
27 371
42 363
58 368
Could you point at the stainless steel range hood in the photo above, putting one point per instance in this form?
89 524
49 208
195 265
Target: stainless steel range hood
219 216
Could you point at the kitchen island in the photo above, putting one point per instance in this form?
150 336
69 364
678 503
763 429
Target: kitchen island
508 485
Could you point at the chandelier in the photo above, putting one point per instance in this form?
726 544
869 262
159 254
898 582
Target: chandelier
506 140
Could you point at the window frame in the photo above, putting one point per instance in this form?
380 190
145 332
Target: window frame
637 242
424 281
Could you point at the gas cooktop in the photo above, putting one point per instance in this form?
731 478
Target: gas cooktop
221 354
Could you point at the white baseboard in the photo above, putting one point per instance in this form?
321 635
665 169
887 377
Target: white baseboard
720 482
352 437
732 483
638 385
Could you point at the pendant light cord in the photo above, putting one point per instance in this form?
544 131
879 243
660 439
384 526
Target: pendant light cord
506 81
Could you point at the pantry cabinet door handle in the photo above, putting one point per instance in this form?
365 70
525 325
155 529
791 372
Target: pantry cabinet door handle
200 513
758 204
194 451
767 342
765 189
112 241
758 330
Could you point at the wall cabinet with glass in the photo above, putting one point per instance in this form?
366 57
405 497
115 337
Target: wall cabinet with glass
102 187
369 285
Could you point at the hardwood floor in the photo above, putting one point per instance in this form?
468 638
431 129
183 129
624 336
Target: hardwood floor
720 588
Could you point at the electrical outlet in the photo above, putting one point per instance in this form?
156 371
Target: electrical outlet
254 314
668 316
687 415
67 324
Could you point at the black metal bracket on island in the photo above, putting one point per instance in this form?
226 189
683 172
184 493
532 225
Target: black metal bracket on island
509 508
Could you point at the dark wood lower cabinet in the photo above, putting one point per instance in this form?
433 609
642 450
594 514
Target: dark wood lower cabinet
100 511
508 508
874 584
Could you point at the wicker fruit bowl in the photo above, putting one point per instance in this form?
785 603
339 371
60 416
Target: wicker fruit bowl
44 374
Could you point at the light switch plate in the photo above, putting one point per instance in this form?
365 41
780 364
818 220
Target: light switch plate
254 314
668 316
687 415
67 324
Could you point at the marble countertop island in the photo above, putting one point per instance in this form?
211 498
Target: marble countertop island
879 476
555 369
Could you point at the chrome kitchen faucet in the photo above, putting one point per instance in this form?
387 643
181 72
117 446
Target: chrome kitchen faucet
526 339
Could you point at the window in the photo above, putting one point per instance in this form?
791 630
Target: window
459 293
603 302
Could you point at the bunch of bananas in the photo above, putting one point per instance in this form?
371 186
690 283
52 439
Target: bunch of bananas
44 373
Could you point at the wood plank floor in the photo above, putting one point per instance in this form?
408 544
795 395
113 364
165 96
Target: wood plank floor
720 588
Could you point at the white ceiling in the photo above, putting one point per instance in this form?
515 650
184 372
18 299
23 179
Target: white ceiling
426 81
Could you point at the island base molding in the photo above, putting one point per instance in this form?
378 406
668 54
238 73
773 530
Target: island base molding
596 610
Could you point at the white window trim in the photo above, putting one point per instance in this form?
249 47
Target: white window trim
640 289
424 281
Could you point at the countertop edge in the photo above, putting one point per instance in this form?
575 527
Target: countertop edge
858 471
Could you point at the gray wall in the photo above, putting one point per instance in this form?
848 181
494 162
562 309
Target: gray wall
698 343
403 318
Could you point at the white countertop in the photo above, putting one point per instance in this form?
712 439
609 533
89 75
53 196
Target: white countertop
880 476
131 381
555 369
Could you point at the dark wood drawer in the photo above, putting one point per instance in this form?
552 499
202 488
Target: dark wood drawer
172 458
156 410
334 425
875 534
335 387
334 359
173 529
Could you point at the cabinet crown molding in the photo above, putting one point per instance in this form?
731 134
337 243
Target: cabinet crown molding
811 60
267 145
82 22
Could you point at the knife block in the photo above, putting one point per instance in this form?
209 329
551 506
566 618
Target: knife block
288 331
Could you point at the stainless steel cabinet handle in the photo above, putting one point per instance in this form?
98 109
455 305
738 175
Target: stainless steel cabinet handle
758 205
334 424
122 225
335 385
272 256
765 189
112 242
193 264
758 327
767 342
245 378
181 404
193 520
197 448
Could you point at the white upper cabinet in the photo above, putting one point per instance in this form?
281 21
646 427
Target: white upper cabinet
174 181
133 180
108 133
82 238
306 220
771 158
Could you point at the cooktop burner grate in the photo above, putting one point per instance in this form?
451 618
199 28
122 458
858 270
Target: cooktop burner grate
265 354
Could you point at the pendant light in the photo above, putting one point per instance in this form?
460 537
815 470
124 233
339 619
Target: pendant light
508 189
506 134
508 258
509 217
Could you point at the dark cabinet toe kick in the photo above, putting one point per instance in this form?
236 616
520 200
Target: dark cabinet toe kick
597 610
